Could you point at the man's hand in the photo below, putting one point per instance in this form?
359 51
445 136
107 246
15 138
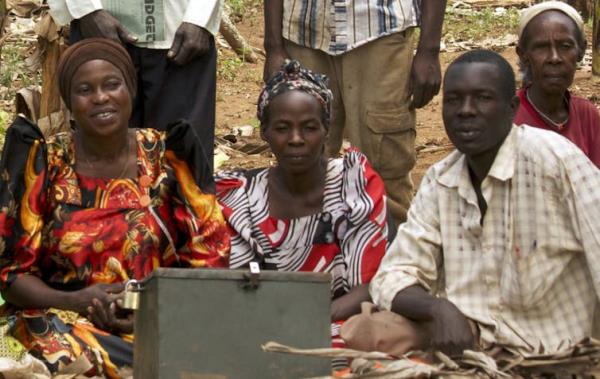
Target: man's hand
191 41
80 301
111 317
102 24
449 329
425 78
273 62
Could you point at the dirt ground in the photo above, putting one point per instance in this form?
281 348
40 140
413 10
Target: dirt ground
236 106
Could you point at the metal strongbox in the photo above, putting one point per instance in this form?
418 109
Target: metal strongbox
210 324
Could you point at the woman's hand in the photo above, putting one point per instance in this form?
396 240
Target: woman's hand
349 304
105 294
111 317
30 292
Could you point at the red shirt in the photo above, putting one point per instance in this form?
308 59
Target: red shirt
583 127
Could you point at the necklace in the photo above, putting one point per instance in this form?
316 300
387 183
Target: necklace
125 166
557 125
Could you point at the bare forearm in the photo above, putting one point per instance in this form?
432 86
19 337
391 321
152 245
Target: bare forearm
273 24
448 328
414 303
349 304
31 292
432 19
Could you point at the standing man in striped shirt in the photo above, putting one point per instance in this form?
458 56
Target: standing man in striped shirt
365 47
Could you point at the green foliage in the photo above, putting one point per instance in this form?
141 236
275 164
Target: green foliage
240 7
13 74
229 67
475 25
5 119
254 122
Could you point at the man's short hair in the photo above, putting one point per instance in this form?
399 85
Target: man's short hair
507 75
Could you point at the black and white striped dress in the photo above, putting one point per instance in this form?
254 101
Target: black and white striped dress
347 238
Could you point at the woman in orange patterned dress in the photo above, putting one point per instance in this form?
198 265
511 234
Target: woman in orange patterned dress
84 211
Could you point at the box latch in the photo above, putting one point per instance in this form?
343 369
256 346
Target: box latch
252 277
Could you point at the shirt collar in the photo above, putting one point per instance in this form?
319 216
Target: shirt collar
456 171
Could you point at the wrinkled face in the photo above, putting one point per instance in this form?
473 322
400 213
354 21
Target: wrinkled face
100 99
477 115
295 131
551 51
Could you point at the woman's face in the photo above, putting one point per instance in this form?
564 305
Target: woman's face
551 51
295 131
100 100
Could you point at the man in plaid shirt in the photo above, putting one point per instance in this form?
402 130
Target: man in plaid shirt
502 243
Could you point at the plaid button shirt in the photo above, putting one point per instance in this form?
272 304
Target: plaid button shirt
336 26
531 274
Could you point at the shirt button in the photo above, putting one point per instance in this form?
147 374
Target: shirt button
326 217
145 181
329 238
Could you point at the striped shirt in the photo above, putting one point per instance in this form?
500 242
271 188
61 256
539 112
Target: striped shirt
530 275
336 26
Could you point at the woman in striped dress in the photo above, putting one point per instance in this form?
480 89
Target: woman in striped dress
308 212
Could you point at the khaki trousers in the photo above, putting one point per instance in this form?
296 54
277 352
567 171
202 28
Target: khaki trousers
370 86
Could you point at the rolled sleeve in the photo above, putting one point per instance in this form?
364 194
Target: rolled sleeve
205 13
80 8
63 11
414 257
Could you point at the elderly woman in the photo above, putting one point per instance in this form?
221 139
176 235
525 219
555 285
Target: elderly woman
307 213
551 42
86 210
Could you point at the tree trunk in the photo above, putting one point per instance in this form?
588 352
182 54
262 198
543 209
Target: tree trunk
50 101
235 39
583 6
596 40
2 16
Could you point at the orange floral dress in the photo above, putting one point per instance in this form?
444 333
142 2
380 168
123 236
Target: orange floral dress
64 227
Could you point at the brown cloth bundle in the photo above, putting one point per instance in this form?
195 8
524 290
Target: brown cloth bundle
383 331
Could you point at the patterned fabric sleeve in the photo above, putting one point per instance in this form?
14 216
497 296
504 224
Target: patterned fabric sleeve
23 196
231 191
365 241
204 240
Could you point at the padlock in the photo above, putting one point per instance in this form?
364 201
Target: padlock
131 298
